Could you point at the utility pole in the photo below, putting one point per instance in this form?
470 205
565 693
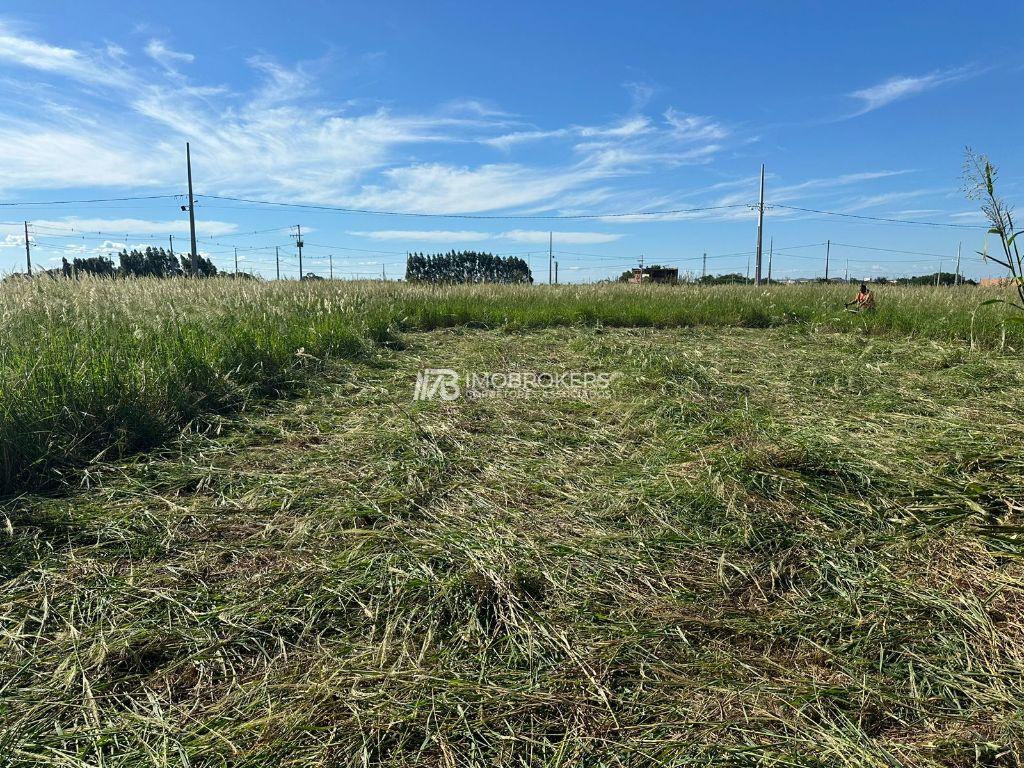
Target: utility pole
760 228
956 278
847 278
771 248
556 273
277 260
171 238
641 269
330 259
551 257
938 274
236 261
28 252
747 276
384 272
193 263
704 268
299 243
828 247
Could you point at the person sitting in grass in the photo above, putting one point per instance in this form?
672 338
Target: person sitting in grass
865 300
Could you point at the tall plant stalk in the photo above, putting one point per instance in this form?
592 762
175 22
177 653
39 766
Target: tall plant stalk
980 184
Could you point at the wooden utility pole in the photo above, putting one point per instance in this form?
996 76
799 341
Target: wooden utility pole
556 273
956 278
193 262
771 248
828 247
277 260
704 268
171 239
299 243
938 275
28 252
551 257
760 228
330 261
236 261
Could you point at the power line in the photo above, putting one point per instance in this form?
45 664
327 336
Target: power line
798 247
93 200
248 234
359 250
891 250
878 218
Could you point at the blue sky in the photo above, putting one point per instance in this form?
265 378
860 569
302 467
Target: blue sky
520 109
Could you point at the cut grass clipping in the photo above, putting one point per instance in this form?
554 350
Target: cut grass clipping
766 547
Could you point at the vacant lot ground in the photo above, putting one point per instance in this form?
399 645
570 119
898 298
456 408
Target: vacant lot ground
768 546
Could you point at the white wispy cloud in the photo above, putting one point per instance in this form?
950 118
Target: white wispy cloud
528 236
12 240
968 216
426 235
900 87
633 126
640 94
508 140
633 142
127 128
166 57
38 156
34 54
534 236
441 188
789 192
695 127
887 199
74 224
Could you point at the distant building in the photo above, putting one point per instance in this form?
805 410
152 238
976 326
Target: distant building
669 275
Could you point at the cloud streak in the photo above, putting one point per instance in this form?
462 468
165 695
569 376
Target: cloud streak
902 87
528 236
167 58
43 57
74 225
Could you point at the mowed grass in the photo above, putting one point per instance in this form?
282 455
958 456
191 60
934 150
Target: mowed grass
778 546
98 369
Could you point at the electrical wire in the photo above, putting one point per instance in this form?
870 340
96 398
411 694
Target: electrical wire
875 218
93 200
894 250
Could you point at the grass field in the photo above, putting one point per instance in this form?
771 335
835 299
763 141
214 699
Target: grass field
104 368
790 536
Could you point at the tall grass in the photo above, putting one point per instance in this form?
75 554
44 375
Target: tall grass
117 367
931 313
110 367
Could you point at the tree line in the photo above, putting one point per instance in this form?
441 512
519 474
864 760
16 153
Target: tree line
151 262
466 267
